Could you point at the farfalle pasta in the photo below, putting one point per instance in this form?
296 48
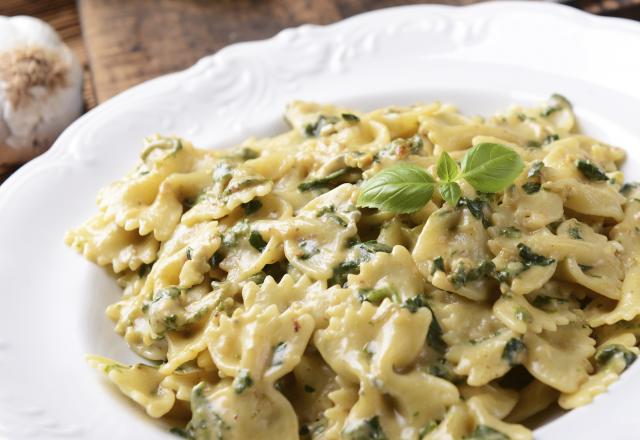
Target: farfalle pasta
273 305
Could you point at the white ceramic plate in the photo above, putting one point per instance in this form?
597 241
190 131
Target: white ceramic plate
481 57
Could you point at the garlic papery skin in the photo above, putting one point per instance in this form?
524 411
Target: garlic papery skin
40 88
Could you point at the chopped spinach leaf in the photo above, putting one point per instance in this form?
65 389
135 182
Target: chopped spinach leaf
574 232
249 153
531 187
530 258
373 246
242 381
476 208
627 187
438 265
252 207
434 335
513 350
461 276
550 138
279 354
205 422
330 212
189 253
341 271
607 353
590 170
533 144
350 117
368 429
256 240
413 304
510 232
326 181
428 427
485 432
308 248
375 296
244 184
215 259
314 130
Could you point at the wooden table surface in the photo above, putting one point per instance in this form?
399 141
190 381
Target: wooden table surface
124 42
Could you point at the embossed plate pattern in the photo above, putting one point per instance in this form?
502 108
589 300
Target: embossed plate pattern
481 57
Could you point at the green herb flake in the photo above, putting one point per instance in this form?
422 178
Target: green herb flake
627 187
590 170
485 432
324 182
256 240
308 248
350 117
314 129
531 187
330 212
461 276
585 267
189 253
438 265
609 352
574 232
375 296
215 259
476 208
532 144
242 381
341 271
248 153
510 232
413 304
373 246
522 314
428 427
369 429
548 303
279 354
434 335
530 258
513 351
252 207
549 139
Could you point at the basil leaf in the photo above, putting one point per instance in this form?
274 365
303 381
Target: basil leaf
447 167
491 167
450 192
401 188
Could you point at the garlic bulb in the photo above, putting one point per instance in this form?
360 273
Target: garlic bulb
40 88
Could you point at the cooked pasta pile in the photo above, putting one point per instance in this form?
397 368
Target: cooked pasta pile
272 306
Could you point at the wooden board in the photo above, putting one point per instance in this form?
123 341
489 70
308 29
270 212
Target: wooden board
131 41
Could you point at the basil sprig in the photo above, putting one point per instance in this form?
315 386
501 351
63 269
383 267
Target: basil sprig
406 188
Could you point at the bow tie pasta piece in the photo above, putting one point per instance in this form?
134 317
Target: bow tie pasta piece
104 242
612 357
521 211
483 410
451 131
534 398
220 412
519 315
452 253
393 275
549 353
141 383
151 198
231 185
317 242
369 346
259 344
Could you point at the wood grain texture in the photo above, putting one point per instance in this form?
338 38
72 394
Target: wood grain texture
62 15
131 41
